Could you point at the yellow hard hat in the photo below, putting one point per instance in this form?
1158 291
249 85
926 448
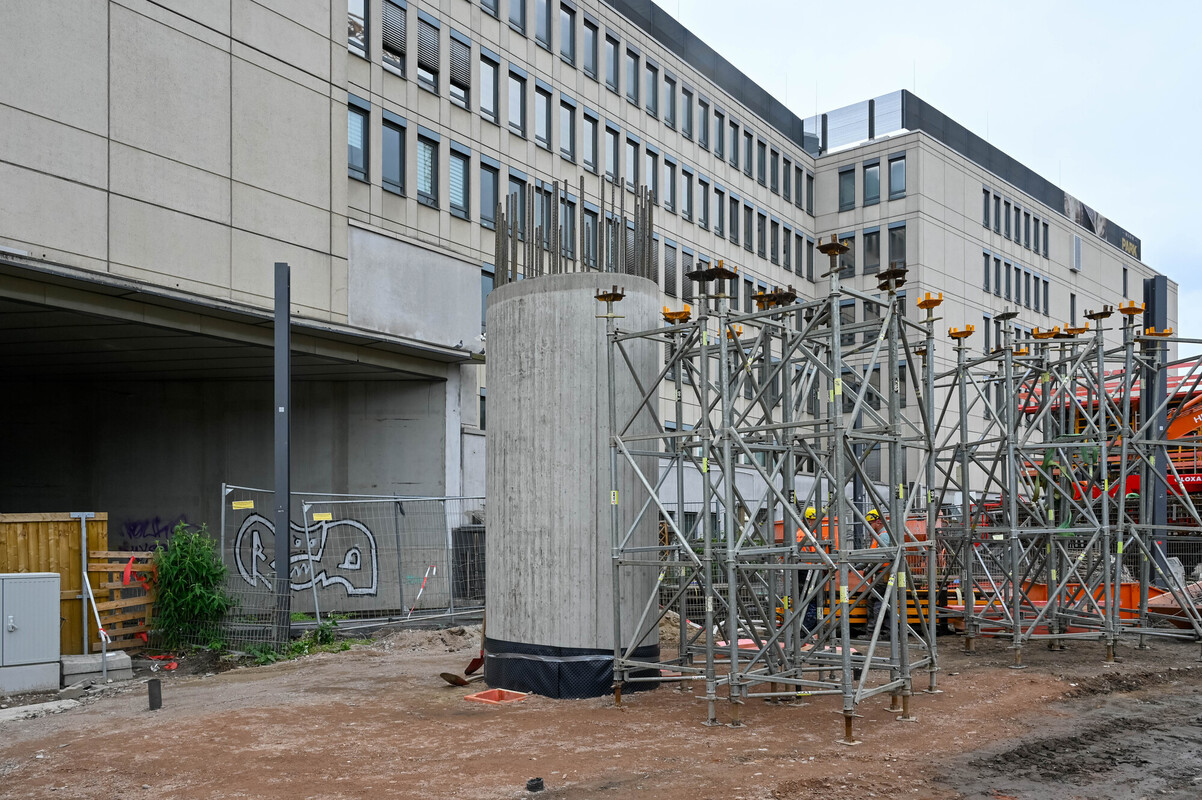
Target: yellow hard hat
811 513
872 515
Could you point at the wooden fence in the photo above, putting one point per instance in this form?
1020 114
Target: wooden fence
51 543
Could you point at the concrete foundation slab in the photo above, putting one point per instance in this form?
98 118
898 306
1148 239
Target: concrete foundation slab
77 668
29 678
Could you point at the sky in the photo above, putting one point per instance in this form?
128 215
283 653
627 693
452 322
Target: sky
1103 98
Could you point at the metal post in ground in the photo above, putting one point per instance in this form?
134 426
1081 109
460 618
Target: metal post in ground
283 403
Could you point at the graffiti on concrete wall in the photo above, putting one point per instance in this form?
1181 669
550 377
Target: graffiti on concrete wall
330 553
144 534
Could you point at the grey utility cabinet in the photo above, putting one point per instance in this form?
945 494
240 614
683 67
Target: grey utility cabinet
29 632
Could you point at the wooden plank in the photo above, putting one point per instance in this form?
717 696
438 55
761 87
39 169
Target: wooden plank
54 516
124 555
125 602
127 616
121 584
71 595
113 566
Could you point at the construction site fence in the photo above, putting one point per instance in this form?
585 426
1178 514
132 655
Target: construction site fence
353 559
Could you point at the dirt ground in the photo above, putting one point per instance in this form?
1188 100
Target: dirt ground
376 721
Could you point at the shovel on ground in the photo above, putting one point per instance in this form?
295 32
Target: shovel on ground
475 664
456 680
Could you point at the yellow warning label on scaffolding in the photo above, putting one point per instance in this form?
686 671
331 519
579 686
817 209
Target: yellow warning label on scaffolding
998 537
1107 483
843 593
613 497
839 386
660 579
1120 546
1152 461
705 464
890 581
1045 378
239 505
901 580
1051 515
705 338
901 492
1054 576
324 516
709 604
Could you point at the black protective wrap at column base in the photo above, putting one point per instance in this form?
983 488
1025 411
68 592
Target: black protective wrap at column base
559 672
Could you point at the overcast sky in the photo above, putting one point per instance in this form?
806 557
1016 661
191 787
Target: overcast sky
1101 98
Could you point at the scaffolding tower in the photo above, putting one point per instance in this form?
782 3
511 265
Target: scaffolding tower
771 604
1050 452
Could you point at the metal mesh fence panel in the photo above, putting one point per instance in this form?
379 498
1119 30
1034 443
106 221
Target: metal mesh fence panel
393 559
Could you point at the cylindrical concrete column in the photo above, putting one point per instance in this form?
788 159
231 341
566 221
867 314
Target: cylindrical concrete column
549 593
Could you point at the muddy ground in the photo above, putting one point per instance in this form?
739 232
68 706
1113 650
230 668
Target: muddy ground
376 721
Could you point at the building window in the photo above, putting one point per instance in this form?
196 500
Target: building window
1046 309
897 245
458 183
686 113
997 277
356 13
632 76
488 89
703 124
542 23
719 212
588 142
774 242
1027 230
748 149
589 256
1006 223
1035 283
632 164
809 194
786 173
1027 289
985 282
489 180
651 171
748 228
761 230
734 144
567 34
651 90
786 248
872 251
985 207
997 214
517 104
686 194
427 171
987 347
810 260
773 172
611 154
1124 282
588 47
1018 224
567 228
427 55
393 158
487 282
669 102
567 131
897 177
356 142
393 35
490 6
719 134
670 270
703 203
1007 270
1045 240
669 185
611 63
542 214
461 71
542 118
872 184
734 220
847 261
517 15
847 318
517 203
847 188
1072 309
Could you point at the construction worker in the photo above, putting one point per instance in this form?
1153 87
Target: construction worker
810 620
881 585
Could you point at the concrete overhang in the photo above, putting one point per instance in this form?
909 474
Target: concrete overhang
61 323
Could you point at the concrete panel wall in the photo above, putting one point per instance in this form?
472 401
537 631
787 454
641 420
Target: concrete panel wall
151 452
410 291
549 573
